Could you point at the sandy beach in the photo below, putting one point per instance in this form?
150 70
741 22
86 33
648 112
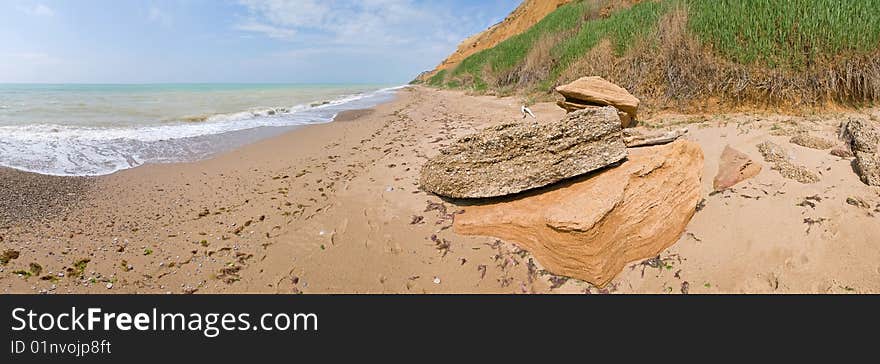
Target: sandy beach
336 208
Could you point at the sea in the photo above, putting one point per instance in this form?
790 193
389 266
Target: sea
91 129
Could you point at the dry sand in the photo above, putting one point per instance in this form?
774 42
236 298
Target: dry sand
335 208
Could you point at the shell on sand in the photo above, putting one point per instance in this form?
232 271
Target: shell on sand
781 160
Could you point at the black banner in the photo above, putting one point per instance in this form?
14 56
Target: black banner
233 328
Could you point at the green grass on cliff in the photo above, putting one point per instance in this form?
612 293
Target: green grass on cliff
758 36
622 28
513 50
569 23
787 33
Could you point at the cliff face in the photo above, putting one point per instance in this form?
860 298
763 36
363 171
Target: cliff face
524 17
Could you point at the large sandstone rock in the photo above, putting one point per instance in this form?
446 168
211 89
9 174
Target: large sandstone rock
734 167
864 141
596 91
512 158
590 229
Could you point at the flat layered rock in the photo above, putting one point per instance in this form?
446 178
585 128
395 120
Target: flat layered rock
590 229
734 167
511 158
625 119
864 141
596 91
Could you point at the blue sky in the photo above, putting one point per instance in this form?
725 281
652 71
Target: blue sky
298 41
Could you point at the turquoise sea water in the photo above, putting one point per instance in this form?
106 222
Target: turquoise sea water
100 129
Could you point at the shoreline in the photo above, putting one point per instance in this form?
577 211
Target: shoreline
46 195
342 116
336 208
87 145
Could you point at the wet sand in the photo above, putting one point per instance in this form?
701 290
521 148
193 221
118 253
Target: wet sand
351 115
28 196
336 208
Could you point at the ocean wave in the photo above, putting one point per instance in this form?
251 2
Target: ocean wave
80 150
243 115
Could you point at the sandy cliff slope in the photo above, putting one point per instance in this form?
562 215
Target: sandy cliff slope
527 14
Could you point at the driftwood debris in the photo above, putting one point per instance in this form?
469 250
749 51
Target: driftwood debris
639 138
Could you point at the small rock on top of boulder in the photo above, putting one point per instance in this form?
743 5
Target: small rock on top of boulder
596 91
511 158
735 167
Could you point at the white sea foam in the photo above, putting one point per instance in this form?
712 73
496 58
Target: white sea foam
83 150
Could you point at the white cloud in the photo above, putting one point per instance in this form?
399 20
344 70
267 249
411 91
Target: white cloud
373 22
271 31
160 17
38 10
43 10
388 39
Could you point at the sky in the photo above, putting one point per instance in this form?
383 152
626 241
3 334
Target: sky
216 41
